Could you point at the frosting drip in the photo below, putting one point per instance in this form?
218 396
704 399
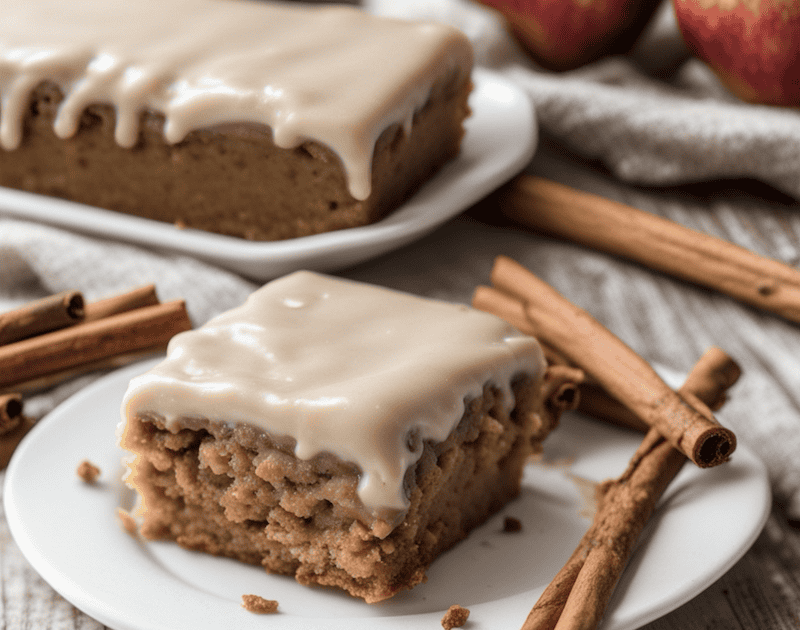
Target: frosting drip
331 74
362 372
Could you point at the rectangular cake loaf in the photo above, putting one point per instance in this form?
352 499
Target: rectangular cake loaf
337 432
254 119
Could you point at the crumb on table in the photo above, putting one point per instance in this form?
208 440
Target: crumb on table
511 524
88 471
259 605
455 617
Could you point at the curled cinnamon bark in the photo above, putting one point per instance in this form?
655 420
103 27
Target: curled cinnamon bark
622 373
556 210
9 441
578 596
63 350
50 313
561 387
13 426
10 411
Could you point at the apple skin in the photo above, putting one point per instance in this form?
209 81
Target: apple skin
752 45
566 34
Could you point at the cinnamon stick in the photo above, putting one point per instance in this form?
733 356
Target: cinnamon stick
128 301
68 348
593 400
556 210
50 313
9 441
512 310
10 411
622 373
596 402
111 363
578 596
560 389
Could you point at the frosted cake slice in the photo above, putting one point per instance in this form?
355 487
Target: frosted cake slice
335 431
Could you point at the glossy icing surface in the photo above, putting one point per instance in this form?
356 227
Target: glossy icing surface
331 74
362 372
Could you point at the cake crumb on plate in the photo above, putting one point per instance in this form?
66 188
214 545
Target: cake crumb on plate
127 521
87 471
455 617
259 605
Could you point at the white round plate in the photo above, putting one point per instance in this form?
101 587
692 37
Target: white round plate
70 533
500 139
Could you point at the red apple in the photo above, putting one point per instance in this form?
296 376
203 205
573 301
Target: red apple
752 45
565 34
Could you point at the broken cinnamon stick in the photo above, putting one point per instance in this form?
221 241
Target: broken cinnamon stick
579 594
10 411
133 299
556 210
622 373
14 425
9 441
82 344
50 313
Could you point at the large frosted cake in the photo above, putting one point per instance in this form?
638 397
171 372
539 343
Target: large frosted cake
261 120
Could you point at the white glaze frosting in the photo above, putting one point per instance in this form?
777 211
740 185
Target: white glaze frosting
331 74
342 367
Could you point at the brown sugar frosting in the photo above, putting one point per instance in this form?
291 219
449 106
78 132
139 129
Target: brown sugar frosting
361 372
207 63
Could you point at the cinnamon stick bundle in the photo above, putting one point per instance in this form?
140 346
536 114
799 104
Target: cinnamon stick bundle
50 313
623 374
9 441
578 596
556 210
84 344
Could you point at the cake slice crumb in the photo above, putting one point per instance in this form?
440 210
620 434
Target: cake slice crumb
127 521
87 471
259 605
512 525
455 617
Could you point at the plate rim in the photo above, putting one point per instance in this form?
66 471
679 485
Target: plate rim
73 592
